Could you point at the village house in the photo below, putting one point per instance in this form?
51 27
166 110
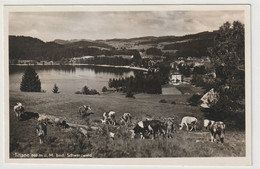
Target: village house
175 77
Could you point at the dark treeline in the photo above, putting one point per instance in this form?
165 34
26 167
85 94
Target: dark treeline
117 61
201 35
28 48
140 83
194 48
143 83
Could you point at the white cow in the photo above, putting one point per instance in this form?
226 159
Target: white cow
126 119
19 110
187 120
110 117
208 123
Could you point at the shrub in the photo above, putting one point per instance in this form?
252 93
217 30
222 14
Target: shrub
55 89
173 102
104 89
92 92
85 90
30 81
162 101
78 92
194 99
130 94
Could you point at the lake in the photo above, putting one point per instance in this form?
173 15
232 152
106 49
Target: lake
69 78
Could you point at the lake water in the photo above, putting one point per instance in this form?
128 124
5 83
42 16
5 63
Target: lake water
69 78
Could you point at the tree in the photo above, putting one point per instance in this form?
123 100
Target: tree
228 56
30 81
85 90
55 89
104 89
154 51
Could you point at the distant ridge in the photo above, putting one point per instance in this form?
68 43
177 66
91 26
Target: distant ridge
24 47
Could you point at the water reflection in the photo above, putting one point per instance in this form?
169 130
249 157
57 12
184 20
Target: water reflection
69 78
72 69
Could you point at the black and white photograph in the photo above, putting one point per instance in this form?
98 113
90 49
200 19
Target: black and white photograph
128 82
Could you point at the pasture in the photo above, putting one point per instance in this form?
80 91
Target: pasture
98 143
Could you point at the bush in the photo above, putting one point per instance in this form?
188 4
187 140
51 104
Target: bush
130 94
173 102
194 99
78 92
92 92
104 89
30 81
86 91
162 101
55 89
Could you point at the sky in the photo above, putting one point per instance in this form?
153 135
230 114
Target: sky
49 26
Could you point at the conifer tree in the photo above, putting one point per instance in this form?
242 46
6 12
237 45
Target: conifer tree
55 89
30 81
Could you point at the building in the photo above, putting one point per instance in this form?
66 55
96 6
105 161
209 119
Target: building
175 77
26 61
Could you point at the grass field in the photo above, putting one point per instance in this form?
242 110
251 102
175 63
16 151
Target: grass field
98 143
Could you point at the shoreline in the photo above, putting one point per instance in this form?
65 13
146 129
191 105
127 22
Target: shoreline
109 66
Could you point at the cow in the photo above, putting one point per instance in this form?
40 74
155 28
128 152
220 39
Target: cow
187 120
170 127
42 131
84 111
143 128
30 115
207 123
126 119
43 118
216 128
19 110
110 117
103 121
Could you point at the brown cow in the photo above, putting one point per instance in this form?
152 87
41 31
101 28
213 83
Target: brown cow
42 131
216 128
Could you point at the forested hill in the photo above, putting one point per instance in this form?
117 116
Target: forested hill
21 47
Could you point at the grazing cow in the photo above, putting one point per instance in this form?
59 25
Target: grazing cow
187 120
84 111
29 115
19 110
154 127
42 131
126 119
110 117
208 123
217 128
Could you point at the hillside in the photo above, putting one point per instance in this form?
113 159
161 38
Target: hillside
21 47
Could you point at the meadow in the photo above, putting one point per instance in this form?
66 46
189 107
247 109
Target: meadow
97 143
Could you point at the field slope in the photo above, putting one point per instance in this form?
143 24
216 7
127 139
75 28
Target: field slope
98 144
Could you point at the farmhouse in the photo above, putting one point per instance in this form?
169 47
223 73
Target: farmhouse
175 77
209 99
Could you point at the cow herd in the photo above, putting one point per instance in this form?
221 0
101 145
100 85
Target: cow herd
146 128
